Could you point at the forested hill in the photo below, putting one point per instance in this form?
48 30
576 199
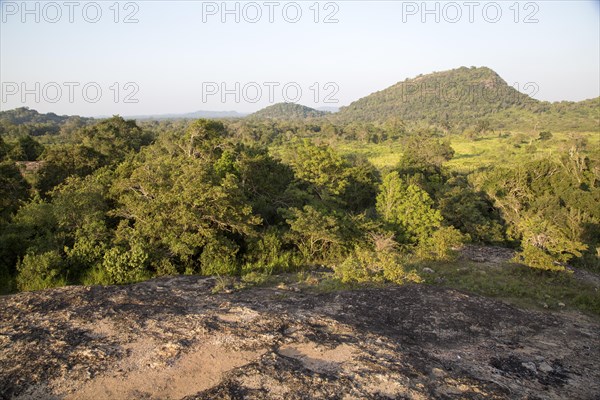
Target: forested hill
24 115
287 111
23 121
470 97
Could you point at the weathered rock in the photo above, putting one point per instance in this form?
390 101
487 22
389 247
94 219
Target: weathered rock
172 338
491 254
545 367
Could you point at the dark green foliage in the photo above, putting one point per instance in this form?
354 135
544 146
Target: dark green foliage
550 207
26 149
25 122
13 189
470 211
62 161
122 202
264 180
363 179
4 149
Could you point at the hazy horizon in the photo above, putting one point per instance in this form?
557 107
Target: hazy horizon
154 57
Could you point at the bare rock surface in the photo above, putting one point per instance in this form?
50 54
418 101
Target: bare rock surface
171 338
486 254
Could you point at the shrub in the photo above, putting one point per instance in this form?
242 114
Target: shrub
219 258
545 135
545 245
125 266
441 245
537 258
378 261
40 271
266 254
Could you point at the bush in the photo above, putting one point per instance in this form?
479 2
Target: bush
442 245
40 271
219 258
379 261
266 254
537 258
545 245
125 266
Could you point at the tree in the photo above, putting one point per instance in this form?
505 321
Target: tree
545 245
26 149
320 169
61 161
204 139
363 179
180 204
13 189
470 211
114 138
408 208
40 271
315 233
424 153
4 147
264 181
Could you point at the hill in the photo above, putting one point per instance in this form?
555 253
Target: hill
469 97
24 115
288 111
23 121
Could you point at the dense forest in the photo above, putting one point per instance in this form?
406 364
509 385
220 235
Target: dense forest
114 201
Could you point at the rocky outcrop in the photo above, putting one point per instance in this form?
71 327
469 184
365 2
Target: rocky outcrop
173 338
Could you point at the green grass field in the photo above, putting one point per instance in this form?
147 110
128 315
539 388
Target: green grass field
472 154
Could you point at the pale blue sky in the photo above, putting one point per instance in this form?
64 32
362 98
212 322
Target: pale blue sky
170 52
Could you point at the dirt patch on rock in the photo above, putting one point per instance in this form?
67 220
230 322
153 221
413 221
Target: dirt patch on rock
486 254
170 338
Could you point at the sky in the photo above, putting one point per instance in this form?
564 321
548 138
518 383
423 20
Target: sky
157 57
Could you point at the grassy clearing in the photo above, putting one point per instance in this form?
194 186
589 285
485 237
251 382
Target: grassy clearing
517 284
475 153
